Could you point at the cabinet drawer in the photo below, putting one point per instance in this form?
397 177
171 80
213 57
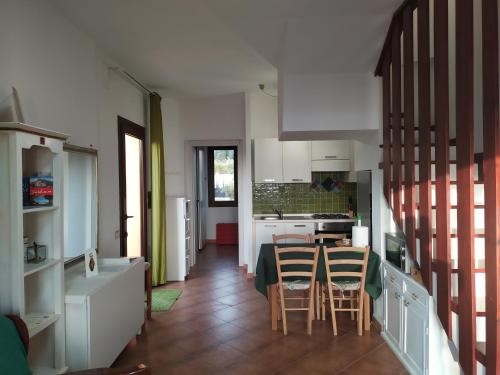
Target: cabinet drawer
327 150
343 165
299 228
415 294
393 278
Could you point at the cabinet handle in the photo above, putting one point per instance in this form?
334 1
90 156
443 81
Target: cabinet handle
396 295
414 296
297 179
299 225
269 179
330 156
269 226
407 303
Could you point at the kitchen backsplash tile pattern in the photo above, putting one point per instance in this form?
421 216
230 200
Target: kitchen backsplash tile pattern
306 198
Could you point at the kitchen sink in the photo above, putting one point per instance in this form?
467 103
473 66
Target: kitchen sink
267 218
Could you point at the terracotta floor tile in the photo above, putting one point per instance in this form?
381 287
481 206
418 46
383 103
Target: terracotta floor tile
221 325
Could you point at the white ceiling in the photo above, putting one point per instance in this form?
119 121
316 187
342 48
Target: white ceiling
214 47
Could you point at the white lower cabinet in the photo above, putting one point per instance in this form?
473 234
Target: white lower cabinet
392 312
104 312
415 328
264 234
406 319
299 228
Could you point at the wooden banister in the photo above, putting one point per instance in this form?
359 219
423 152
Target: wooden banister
399 132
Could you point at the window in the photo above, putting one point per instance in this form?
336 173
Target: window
223 176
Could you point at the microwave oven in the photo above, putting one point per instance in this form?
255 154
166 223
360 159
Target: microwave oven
395 250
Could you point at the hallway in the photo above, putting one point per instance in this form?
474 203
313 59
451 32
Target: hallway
221 325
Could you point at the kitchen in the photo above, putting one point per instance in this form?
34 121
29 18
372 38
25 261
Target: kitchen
307 187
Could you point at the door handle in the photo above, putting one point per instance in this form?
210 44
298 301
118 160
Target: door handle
125 217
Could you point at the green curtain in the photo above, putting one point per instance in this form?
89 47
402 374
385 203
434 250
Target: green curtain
158 204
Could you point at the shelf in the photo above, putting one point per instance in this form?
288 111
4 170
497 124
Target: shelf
49 370
29 210
31 268
37 322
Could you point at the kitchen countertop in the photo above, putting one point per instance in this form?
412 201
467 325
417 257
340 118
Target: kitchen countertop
297 218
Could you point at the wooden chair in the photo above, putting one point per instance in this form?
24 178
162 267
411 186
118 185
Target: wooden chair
335 269
320 300
22 330
305 238
293 268
322 236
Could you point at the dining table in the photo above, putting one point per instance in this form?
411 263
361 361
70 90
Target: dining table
266 276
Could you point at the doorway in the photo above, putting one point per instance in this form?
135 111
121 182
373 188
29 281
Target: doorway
201 196
132 179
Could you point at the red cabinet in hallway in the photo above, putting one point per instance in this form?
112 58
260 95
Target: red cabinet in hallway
227 234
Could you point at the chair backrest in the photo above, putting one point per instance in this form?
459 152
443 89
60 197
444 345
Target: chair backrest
322 236
304 238
296 262
346 262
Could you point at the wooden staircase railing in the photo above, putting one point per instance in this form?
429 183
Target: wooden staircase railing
450 209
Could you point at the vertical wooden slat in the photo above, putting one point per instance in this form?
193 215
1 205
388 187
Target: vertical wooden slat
465 184
396 120
491 169
441 90
386 118
409 133
424 110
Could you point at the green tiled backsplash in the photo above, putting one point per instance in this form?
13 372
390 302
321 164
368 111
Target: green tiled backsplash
305 198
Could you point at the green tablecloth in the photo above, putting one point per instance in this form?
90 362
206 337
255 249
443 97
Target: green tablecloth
266 268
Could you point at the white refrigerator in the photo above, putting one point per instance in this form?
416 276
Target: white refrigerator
179 249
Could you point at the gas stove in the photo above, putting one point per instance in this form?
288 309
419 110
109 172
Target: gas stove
330 216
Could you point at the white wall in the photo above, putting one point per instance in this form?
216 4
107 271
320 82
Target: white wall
173 136
53 66
64 85
262 122
217 117
199 122
262 111
117 97
341 105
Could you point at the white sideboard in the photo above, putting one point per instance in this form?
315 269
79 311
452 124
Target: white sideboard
411 327
104 312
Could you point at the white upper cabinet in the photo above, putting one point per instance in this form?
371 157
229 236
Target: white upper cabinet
297 162
331 150
268 160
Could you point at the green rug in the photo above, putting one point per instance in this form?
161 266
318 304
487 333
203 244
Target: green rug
164 299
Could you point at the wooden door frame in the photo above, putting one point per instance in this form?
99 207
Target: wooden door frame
128 127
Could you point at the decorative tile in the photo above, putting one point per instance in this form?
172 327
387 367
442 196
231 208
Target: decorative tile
305 198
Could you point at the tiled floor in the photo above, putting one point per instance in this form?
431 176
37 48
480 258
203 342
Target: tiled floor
221 325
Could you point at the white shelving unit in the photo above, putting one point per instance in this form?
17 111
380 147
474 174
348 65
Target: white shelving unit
35 291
